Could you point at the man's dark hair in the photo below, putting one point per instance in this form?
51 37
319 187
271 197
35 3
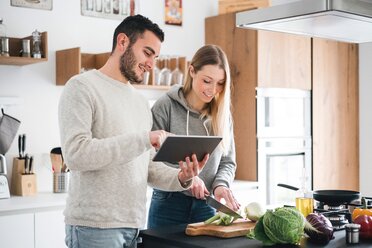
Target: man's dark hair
135 26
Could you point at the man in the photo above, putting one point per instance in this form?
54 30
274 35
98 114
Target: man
105 127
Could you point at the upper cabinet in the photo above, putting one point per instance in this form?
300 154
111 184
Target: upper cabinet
15 48
70 62
284 60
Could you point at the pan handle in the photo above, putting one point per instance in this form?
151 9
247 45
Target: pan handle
287 186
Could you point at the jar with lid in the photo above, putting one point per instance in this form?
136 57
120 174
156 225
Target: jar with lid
36 44
2 28
4 44
352 233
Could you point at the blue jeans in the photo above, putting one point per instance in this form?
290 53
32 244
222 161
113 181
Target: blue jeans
174 208
89 237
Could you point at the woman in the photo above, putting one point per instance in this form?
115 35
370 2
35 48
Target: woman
200 107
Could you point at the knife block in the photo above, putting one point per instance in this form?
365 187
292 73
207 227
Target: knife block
22 184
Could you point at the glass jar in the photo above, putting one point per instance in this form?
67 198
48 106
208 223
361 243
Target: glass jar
36 44
2 36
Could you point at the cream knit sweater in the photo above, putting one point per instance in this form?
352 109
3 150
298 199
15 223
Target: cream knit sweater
104 128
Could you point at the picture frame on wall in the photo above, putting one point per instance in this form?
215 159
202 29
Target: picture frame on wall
34 4
173 12
109 9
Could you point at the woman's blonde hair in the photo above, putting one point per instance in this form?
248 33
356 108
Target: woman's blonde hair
219 108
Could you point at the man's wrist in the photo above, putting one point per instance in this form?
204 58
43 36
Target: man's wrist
184 184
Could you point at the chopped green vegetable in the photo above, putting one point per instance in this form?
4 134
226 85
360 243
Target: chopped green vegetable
221 219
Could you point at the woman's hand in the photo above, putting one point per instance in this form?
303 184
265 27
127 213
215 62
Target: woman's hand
198 189
191 169
225 193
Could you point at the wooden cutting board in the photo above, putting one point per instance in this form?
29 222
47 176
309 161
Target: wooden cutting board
236 229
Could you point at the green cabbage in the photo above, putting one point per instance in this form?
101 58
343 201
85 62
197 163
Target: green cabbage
279 226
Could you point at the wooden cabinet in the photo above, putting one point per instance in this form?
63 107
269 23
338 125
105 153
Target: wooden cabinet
229 6
284 60
15 47
335 115
70 62
240 46
329 69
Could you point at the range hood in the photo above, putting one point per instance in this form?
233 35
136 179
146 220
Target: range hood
341 20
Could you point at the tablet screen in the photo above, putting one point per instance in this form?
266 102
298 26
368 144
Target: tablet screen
176 148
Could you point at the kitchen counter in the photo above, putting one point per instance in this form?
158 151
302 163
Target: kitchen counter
44 201
175 237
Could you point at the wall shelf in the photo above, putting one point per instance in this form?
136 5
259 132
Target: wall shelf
72 61
15 46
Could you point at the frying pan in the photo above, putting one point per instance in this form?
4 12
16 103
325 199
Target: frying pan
330 197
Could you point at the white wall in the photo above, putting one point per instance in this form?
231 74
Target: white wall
66 27
365 119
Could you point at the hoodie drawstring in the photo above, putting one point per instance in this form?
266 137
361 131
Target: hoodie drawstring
187 124
205 126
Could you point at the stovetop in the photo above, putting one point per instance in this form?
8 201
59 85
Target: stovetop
340 215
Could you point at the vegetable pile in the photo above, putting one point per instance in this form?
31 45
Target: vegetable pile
280 226
320 229
221 219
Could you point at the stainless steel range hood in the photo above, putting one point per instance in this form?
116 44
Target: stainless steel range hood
342 20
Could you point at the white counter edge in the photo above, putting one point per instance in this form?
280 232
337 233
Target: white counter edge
42 201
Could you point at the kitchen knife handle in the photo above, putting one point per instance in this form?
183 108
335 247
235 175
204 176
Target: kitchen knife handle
20 146
30 165
23 144
26 164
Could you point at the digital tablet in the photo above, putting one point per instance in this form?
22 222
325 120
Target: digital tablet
176 148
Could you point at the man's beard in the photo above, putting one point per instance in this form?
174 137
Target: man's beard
127 65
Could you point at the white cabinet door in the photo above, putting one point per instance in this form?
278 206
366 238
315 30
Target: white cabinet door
17 231
50 229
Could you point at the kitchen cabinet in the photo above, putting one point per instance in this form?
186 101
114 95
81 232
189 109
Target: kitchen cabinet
17 231
50 229
33 221
70 62
240 46
229 6
329 69
284 60
33 230
15 46
335 90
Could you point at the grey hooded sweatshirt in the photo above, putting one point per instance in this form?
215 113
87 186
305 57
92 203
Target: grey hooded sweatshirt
172 114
